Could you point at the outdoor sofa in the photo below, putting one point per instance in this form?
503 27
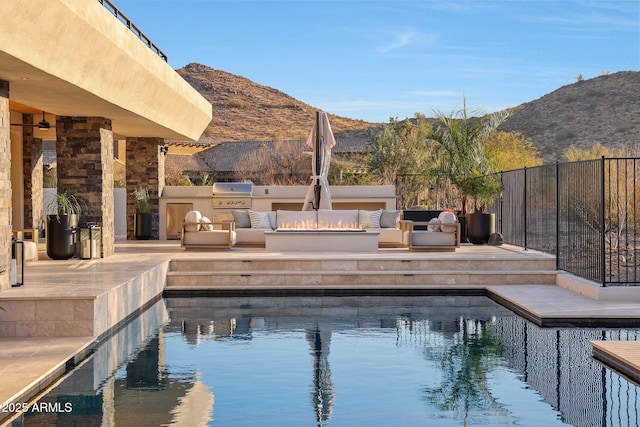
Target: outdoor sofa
251 225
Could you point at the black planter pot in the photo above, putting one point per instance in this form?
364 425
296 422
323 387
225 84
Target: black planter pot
480 226
462 219
62 235
143 226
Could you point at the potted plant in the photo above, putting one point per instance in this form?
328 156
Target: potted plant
482 190
462 159
62 226
143 219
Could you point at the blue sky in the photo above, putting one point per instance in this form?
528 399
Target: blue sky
374 59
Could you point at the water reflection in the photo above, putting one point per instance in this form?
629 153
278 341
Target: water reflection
452 360
466 359
322 393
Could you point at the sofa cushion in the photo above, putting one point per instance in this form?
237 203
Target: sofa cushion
297 219
389 219
259 220
192 221
250 236
328 218
388 235
241 218
370 219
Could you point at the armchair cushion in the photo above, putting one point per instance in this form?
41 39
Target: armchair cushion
192 221
210 238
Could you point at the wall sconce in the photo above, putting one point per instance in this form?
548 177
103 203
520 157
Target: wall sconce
164 149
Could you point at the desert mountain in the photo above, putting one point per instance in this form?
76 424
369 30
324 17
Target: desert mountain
604 110
247 111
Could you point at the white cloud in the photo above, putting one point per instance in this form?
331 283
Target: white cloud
400 40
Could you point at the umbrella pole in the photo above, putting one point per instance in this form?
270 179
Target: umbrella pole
318 160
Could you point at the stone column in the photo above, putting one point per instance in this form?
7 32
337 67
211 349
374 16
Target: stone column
5 187
33 169
84 152
145 167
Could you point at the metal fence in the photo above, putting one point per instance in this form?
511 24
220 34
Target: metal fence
587 213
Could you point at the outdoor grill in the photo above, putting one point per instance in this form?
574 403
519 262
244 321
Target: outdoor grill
232 195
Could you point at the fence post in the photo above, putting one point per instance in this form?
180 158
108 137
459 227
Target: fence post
557 215
603 259
501 201
525 208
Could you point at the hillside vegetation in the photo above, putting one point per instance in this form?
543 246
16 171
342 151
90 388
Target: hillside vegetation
247 111
604 110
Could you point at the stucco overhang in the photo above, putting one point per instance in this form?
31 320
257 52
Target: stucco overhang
75 58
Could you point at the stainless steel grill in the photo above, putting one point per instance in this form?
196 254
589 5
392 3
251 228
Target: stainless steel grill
232 195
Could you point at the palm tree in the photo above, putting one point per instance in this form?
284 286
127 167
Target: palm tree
461 156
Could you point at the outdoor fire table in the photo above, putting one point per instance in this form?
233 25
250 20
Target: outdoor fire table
321 241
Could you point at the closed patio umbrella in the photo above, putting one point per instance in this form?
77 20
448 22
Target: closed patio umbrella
322 141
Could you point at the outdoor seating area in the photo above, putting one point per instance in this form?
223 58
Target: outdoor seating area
251 228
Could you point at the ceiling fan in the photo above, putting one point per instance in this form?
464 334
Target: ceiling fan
42 125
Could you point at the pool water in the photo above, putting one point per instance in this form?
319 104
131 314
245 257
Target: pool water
343 361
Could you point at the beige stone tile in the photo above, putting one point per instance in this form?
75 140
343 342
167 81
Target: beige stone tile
7 328
73 328
18 310
55 310
339 265
35 328
83 309
303 280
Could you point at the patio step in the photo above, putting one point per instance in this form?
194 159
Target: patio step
355 264
287 279
200 274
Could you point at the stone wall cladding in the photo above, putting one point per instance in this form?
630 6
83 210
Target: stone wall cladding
145 167
84 152
5 187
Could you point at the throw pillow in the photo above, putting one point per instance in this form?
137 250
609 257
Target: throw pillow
241 218
434 225
192 221
259 220
370 219
272 220
389 219
205 224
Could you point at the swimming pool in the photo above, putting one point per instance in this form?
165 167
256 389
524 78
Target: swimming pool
342 361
